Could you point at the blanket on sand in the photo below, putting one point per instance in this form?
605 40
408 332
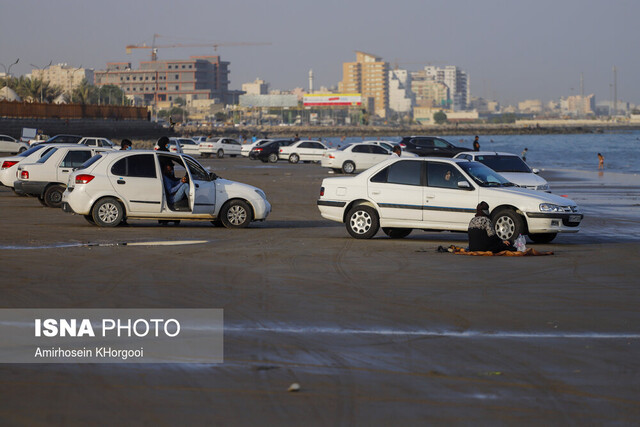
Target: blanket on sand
529 252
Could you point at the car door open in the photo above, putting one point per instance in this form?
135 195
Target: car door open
202 189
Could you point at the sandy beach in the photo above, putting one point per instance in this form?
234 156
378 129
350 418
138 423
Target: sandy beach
376 332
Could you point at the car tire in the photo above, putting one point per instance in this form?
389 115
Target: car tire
362 222
508 224
220 154
236 214
217 223
273 158
42 202
397 233
53 196
107 212
22 150
294 158
264 160
336 170
89 219
542 237
348 167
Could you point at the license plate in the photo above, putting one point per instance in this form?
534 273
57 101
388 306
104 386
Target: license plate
574 218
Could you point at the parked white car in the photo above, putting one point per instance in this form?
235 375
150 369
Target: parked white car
9 144
92 141
246 148
187 146
509 166
129 184
354 157
198 139
220 147
442 194
306 151
47 177
9 165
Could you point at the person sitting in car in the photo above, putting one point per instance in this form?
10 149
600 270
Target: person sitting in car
482 234
176 189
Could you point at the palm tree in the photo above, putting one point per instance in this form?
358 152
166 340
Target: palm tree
84 93
29 89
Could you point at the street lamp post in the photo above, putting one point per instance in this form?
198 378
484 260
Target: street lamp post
41 79
8 71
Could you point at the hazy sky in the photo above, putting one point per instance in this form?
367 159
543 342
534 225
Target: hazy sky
512 49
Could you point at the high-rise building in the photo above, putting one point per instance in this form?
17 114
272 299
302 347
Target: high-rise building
199 77
456 80
369 76
64 76
428 92
400 94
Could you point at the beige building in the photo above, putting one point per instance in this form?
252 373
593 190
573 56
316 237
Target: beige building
369 76
64 76
429 92
530 106
258 87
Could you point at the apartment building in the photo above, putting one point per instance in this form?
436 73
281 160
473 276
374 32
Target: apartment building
456 80
199 77
369 76
64 76
400 94
258 87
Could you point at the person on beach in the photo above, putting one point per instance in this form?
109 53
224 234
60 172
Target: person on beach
476 144
482 234
524 154
162 144
397 151
297 138
600 161
125 145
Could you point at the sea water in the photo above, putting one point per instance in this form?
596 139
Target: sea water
621 150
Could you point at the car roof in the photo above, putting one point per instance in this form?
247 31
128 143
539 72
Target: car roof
487 153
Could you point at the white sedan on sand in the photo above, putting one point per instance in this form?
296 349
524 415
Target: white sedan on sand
246 148
306 151
510 166
442 194
220 147
354 157
129 184
9 144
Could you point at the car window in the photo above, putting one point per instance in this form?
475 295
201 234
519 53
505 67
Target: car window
405 172
387 146
90 142
441 143
504 163
443 175
90 161
361 148
423 142
47 156
197 171
376 149
30 150
138 165
75 158
106 143
306 145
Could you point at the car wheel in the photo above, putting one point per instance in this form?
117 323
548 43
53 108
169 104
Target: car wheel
542 237
264 160
273 158
362 222
89 219
508 224
108 212
294 158
348 167
42 202
220 154
22 150
236 214
217 223
53 196
397 233
336 170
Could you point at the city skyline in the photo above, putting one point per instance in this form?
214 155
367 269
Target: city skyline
511 51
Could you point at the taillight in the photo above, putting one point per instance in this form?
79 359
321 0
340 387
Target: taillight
321 191
257 149
24 175
331 156
403 145
83 179
281 150
8 163
155 148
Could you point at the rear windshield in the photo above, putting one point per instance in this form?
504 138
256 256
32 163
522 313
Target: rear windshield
504 163
46 156
30 150
90 161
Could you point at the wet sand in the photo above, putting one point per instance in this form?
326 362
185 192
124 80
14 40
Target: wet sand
377 332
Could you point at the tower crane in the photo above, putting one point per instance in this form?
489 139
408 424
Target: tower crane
154 48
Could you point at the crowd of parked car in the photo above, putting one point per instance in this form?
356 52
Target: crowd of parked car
426 184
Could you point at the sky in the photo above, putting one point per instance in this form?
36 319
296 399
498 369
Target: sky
512 50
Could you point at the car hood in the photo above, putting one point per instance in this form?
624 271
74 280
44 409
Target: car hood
521 197
524 178
234 188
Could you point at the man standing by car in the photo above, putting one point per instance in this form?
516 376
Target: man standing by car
476 144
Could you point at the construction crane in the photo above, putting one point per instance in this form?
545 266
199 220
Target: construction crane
154 48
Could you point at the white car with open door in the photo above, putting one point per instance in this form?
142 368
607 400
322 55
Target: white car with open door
129 184
432 193
47 177
305 151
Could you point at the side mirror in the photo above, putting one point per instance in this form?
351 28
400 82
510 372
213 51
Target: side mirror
212 176
464 185
536 171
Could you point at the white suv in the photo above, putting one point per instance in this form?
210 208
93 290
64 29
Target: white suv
47 177
441 194
129 184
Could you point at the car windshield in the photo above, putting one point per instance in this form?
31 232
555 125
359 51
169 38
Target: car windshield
30 150
344 147
504 163
46 156
89 162
483 175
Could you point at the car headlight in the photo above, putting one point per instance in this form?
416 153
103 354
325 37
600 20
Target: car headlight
549 207
261 193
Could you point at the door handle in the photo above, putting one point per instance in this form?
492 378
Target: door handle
197 185
65 170
121 181
375 192
430 196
